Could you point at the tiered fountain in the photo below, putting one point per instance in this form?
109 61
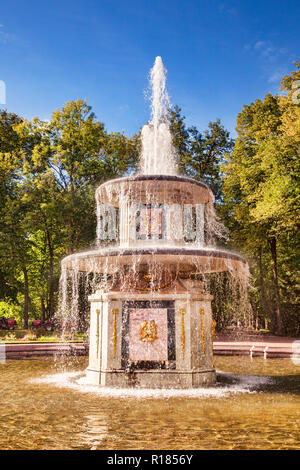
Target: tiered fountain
151 319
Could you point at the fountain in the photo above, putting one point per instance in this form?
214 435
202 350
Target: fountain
151 319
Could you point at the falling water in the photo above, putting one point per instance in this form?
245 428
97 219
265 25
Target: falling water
158 154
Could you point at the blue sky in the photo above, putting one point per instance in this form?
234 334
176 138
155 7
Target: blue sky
219 55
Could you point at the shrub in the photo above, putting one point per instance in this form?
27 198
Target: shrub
9 309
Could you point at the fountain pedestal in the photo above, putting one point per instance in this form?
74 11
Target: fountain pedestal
159 341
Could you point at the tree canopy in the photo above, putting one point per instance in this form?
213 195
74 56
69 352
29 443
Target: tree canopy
262 199
200 155
49 171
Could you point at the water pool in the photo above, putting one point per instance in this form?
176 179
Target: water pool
256 405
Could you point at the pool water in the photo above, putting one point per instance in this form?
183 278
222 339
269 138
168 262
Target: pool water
47 405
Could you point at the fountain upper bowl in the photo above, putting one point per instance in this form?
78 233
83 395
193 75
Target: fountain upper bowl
167 189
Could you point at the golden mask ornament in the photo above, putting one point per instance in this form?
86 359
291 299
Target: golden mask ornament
148 331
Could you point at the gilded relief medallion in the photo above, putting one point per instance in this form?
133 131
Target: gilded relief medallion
148 331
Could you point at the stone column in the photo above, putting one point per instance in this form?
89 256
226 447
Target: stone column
105 337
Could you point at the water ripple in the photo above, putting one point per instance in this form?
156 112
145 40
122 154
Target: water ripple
238 384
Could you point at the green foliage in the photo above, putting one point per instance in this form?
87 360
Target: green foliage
49 172
200 155
262 201
8 309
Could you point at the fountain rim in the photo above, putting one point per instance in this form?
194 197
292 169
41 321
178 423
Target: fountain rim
159 177
113 251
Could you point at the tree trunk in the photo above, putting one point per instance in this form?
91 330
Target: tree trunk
43 309
273 248
265 304
51 280
26 297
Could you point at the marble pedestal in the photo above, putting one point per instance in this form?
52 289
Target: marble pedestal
124 352
162 340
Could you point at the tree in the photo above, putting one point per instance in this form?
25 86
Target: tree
261 194
14 241
72 154
49 172
200 155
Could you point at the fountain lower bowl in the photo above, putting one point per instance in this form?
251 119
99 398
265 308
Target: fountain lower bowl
109 260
